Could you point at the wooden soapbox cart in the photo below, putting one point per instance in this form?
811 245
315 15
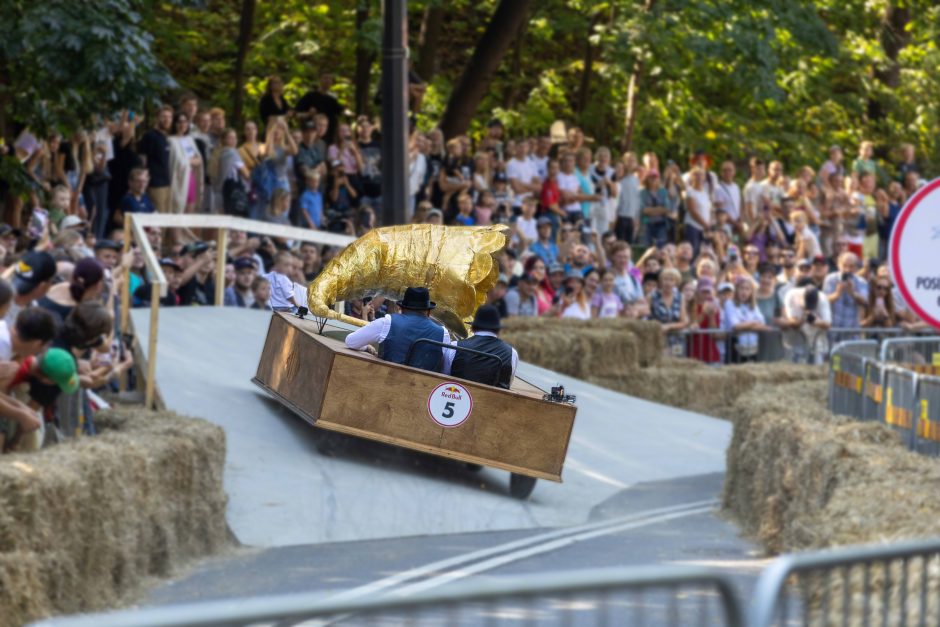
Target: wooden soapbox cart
307 367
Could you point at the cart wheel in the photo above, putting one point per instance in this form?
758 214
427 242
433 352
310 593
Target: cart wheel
521 486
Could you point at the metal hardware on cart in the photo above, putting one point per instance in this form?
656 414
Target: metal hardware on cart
558 396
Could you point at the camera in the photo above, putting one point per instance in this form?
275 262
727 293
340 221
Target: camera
811 318
558 396
846 276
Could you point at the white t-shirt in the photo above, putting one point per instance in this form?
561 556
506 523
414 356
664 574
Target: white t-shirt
811 245
574 310
522 171
570 183
729 194
6 342
528 228
703 205
541 166
754 192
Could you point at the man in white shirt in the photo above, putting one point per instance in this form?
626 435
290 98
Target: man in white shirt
540 157
397 332
728 196
569 187
755 191
628 203
808 319
522 177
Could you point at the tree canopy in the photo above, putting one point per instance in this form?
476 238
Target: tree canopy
777 78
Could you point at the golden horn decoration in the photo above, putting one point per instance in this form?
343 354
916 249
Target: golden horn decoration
455 263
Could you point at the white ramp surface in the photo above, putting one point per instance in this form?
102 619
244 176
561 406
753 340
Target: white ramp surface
283 492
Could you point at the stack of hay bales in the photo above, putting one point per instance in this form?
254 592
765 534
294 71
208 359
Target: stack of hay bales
628 356
799 477
84 524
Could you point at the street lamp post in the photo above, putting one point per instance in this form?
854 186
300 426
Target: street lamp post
394 112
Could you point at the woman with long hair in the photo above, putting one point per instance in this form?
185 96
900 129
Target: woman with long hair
544 293
231 178
881 311
273 103
345 155
741 313
251 151
186 173
574 302
279 145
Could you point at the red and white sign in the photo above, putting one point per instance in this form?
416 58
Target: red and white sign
450 404
914 253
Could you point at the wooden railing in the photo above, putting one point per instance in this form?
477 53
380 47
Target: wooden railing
134 225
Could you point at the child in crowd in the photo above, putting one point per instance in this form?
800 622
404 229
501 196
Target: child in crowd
59 206
279 211
465 210
483 214
311 201
261 292
281 285
606 303
526 226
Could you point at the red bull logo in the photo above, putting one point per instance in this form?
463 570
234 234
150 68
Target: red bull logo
451 392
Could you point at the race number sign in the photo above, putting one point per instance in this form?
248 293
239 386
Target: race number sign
450 404
914 253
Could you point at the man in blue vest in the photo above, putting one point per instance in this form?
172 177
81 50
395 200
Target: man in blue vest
466 365
396 333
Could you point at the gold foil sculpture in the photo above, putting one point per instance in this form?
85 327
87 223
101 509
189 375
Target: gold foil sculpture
455 263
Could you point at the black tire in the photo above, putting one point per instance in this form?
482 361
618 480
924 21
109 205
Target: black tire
521 486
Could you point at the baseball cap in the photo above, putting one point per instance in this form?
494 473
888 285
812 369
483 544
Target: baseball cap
500 177
544 220
69 222
502 278
820 259
34 268
195 248
244 263
555 267
169 263
308 125
804 262
725 287
59 366
6 229
435 212
108 244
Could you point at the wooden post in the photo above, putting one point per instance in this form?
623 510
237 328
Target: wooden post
221 246
126 296
152 346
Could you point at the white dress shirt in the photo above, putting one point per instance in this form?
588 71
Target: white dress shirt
376 331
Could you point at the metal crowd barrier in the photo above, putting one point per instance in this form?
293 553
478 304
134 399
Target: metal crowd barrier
659 595
718 346
895 584
894 383
847 363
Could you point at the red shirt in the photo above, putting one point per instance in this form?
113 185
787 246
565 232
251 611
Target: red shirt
550 194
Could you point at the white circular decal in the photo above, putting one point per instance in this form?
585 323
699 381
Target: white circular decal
450 404
914 253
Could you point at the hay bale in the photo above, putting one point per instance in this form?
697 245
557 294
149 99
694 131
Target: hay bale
83 524
799 477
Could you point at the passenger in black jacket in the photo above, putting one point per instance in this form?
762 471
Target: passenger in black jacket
486 326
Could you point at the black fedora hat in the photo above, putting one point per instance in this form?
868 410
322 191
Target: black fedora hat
487 319
417 298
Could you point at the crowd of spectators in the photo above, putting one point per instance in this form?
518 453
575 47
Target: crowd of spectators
697 247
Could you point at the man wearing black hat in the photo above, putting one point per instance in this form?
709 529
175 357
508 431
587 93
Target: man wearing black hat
486 326
240 295
31 280
397 332
308 158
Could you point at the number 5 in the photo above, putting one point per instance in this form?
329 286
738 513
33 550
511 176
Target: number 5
448 410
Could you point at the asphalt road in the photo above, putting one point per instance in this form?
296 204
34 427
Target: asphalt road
640 487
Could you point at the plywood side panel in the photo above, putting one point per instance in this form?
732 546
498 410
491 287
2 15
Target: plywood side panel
295 366
503 430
